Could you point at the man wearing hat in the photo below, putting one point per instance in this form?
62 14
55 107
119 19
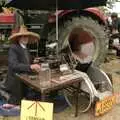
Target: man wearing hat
19 62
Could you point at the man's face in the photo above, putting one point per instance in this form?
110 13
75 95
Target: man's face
24 40
114 18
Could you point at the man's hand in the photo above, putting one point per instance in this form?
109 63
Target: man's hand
35 67
36 60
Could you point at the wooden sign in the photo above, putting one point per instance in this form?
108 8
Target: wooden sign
35 110
104 105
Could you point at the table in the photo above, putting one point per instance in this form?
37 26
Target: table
57 82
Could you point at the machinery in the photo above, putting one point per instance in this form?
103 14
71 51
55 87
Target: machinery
89 25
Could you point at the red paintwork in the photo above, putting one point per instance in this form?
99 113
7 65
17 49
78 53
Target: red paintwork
97 12
7 19
61 13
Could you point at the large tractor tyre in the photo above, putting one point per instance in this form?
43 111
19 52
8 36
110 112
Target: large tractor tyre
92 29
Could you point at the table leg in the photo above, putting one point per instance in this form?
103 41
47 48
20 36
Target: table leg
77 99
43 96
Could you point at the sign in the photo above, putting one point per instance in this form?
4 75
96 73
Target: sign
105 105
35 110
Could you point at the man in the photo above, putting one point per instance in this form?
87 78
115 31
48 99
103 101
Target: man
115 25
19 62
115 30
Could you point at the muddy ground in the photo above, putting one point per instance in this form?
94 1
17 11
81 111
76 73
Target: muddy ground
111 66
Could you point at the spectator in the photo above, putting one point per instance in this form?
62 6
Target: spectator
115 26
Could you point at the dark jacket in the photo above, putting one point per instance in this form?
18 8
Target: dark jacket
17 63
116 24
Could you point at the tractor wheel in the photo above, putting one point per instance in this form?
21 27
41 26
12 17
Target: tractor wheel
94 32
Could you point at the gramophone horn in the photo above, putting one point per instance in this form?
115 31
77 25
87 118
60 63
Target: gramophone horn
77 38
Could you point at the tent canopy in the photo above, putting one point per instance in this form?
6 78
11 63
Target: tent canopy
51 4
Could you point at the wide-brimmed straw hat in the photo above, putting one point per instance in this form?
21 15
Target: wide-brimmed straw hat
33 37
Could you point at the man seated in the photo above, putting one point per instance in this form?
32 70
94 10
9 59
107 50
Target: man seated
18 62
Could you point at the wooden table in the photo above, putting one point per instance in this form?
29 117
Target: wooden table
56 83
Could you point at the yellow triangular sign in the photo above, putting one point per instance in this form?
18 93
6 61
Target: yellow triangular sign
36 110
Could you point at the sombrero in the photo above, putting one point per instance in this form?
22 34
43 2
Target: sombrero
33 37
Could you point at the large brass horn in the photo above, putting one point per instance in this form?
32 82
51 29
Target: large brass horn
78 37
